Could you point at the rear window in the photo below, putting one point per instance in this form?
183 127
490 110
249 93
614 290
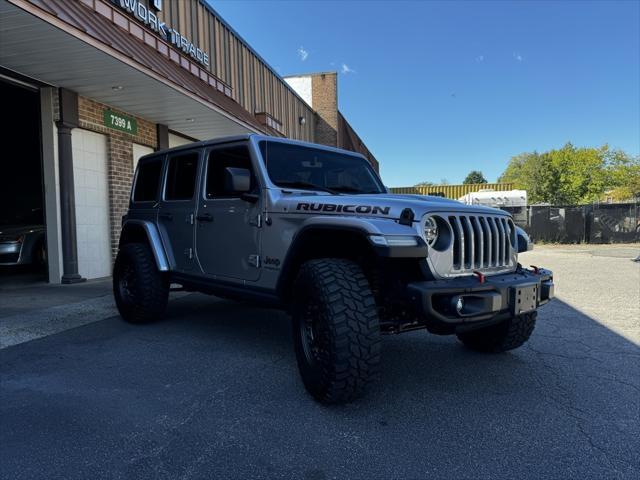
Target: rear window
181 176
148 181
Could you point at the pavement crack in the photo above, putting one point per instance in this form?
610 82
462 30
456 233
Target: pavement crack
577 414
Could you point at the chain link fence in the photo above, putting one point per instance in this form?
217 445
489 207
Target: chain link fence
598 223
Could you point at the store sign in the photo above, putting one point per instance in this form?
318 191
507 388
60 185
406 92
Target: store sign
117 121
144 14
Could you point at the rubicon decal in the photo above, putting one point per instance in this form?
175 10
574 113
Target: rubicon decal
330 207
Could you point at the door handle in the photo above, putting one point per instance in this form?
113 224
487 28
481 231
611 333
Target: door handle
168 216
205 217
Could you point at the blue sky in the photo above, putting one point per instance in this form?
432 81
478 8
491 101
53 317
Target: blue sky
438 89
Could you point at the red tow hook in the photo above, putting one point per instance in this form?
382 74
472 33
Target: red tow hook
536 270
479 275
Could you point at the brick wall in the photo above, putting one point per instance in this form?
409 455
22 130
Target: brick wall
324 88
120 169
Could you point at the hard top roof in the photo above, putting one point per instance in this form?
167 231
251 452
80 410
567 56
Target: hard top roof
243 137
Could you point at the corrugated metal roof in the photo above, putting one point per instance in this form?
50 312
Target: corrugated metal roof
349 139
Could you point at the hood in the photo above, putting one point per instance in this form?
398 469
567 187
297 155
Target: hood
384 205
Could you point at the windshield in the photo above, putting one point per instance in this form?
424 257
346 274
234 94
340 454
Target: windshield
296 166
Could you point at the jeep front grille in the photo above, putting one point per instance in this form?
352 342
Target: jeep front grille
484 243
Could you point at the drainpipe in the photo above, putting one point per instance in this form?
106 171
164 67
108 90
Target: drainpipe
68 121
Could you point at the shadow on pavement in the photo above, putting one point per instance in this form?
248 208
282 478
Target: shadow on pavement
213 390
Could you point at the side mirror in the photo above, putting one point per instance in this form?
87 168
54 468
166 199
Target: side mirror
237 180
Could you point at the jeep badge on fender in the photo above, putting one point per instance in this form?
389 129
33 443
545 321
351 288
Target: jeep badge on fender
312 230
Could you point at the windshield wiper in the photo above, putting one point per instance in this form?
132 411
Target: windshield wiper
347 188
350 189
307 186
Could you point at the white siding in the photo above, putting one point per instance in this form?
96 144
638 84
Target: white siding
90 160
303 87
139 151
177 140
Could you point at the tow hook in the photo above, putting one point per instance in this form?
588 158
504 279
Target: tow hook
479 275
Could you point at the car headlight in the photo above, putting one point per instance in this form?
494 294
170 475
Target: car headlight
430 231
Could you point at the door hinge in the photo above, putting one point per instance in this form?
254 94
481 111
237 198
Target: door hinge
188 252
254 261
257 222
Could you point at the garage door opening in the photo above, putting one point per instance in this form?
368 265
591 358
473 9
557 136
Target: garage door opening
23 255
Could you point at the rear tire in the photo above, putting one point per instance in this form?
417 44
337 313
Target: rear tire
336 330
141 291
506 335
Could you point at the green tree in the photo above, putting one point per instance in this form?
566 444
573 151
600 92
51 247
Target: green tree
531 172
424 184
571 175
580 174
475 176
623 175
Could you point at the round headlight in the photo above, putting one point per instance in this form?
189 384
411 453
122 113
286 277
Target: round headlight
430 231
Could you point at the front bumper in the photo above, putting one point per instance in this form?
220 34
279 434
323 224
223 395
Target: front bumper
476 300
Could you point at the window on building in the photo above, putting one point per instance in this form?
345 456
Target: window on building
219 160
148 181
181 176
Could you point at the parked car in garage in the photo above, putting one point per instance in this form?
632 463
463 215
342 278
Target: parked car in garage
22 245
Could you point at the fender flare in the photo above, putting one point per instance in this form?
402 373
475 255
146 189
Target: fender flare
365 226
154 239
370 228
362 227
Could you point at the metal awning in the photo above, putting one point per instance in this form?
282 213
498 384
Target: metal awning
41 45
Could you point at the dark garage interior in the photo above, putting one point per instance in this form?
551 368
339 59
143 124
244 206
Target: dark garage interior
22 223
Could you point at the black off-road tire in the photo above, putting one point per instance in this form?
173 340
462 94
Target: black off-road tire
336 330
506 335
141 291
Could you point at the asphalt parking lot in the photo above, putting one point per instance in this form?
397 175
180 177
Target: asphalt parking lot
213 392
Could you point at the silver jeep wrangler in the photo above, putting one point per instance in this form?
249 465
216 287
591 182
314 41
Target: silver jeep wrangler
313 230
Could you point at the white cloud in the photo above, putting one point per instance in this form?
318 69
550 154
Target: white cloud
480 58
346 69
302 53
517 56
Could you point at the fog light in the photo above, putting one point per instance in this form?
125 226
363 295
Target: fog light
459 305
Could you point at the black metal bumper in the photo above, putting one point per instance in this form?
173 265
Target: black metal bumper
475 300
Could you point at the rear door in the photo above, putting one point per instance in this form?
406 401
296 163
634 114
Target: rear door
228 226
176 216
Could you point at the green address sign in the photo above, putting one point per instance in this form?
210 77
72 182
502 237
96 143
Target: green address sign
117 121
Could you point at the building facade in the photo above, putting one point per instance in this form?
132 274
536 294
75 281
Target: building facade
320 92
96 84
